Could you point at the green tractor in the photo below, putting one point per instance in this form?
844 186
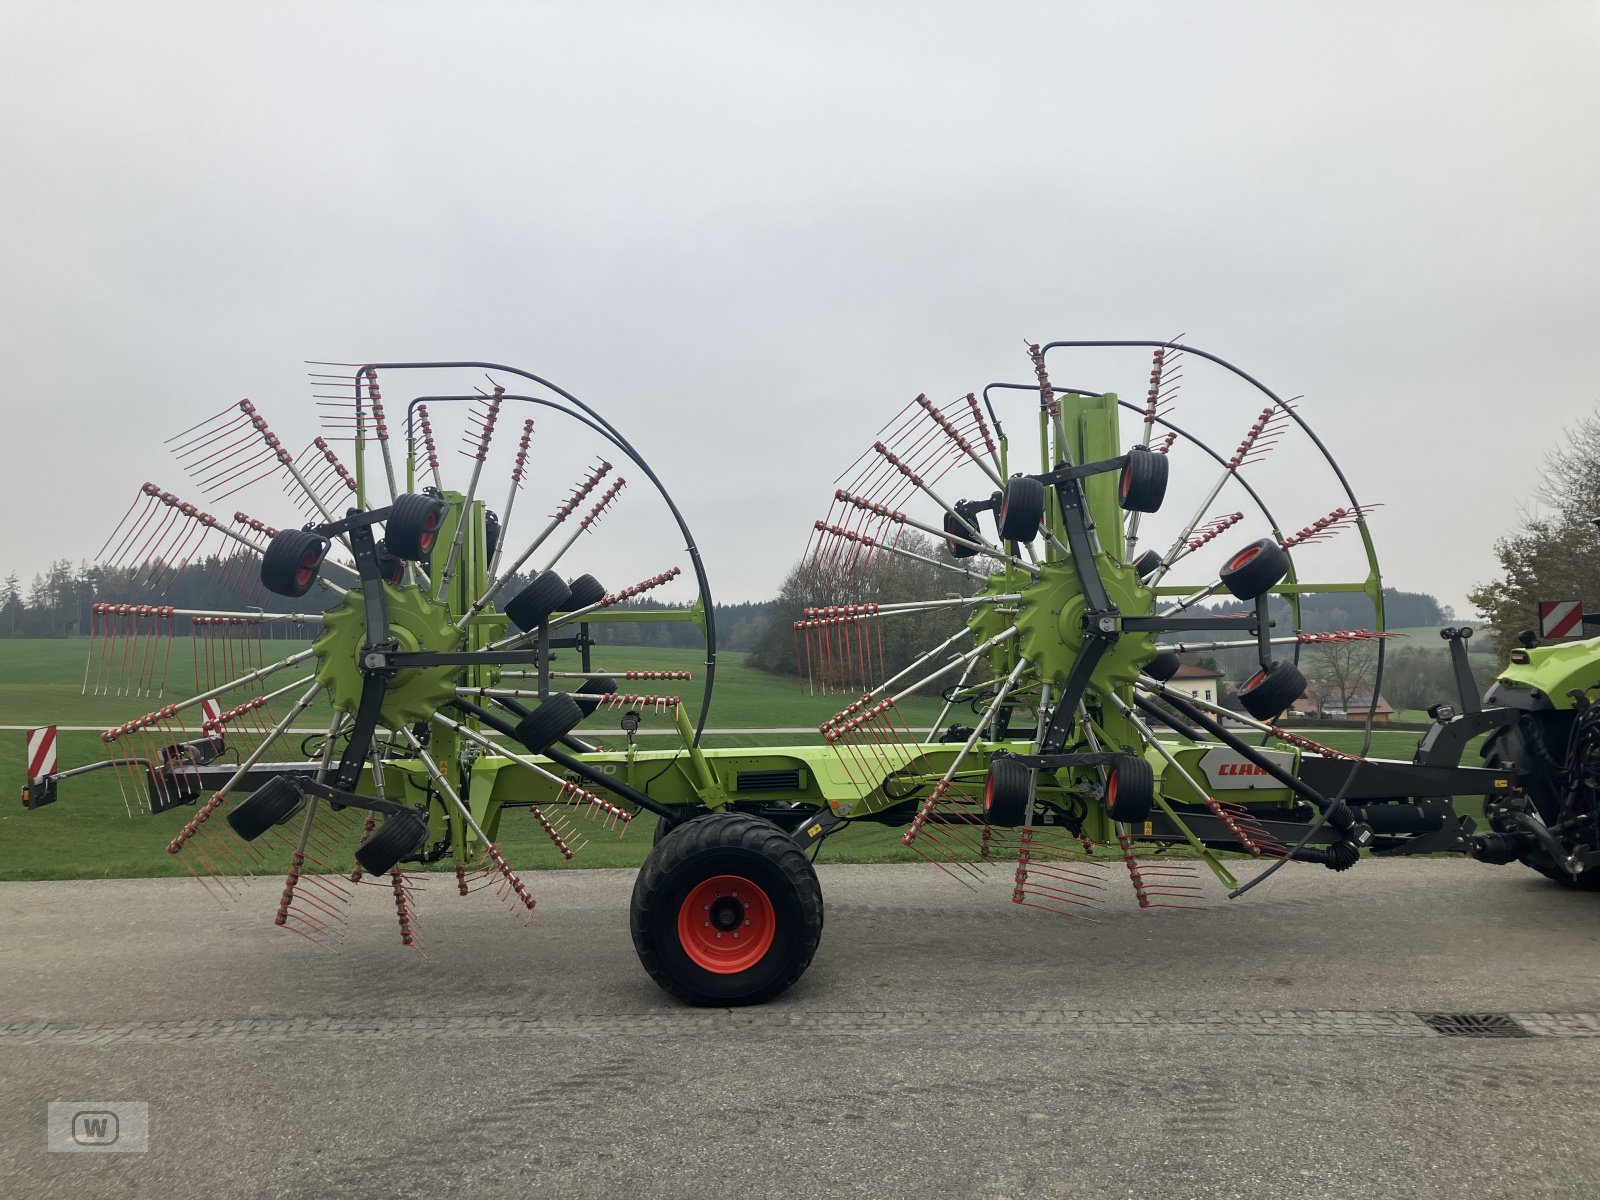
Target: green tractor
1062 598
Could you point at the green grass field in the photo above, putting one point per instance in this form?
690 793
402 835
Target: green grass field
89 833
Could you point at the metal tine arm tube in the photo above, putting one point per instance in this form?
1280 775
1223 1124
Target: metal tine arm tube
989 437
311 495
1222 873
950 703
441 782
862 611
265 698
307 699
984 721
516 641
840 531
517 473
1357 635
251 677
381 429
562 513
922 662
584 525
978 542
173 502
966 447
472 735
323 768
248 615
912 477
481 452
1153 398
925 810
1157 688
996 640
1182 541
1189 601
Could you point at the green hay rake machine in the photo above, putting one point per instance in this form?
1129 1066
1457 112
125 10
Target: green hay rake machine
444 659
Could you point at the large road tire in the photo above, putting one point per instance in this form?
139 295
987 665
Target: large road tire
731 875
1531 751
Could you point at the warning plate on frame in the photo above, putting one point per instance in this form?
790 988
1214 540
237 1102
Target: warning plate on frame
1229 771
1560 618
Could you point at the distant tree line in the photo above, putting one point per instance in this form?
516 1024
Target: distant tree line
60 603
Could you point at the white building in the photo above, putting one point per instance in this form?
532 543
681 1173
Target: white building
1199 683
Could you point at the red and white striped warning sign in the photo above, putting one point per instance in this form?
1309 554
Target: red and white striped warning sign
1560 618
41 752
211 713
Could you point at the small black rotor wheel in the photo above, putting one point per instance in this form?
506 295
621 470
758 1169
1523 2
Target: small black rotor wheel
273 803
1272 689
1130 789
391 567
588 692
549 723
1164 665
584 591
1256 569
1021 508
412 528
400 837
1005 792
1143 484
291 562
955 526
1145 565
491 534
546 593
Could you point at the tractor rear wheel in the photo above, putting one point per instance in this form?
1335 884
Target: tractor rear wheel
726 911
1531 752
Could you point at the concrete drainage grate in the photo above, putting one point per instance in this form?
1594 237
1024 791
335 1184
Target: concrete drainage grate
1480 1025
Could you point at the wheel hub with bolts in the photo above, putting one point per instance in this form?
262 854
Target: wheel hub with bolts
417 623
1053 611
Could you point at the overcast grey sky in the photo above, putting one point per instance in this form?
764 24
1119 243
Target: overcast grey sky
749 233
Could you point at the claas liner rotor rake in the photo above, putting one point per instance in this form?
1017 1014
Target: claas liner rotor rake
449 659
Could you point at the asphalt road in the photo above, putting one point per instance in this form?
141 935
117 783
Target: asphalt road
944 1043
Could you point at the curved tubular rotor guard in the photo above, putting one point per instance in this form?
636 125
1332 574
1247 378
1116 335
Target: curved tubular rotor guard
1375 579
594 421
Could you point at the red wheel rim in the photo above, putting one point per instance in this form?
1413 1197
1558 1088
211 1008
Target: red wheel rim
1127 482
988 794
1244 556
1111 790
726 924
1254 681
